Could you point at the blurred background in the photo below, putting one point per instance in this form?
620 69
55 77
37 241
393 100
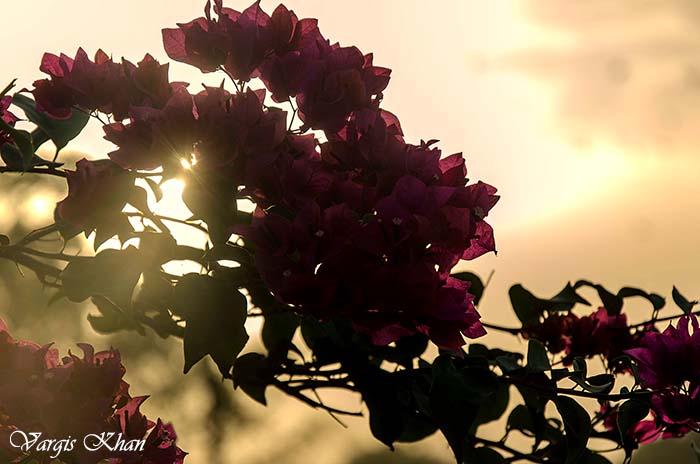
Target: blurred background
583 114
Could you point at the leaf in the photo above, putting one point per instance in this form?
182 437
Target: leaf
453 404
566 299
215 313
682 302
111 225
379 392
577 427
525 304
60 131
9 87
630 413
657 301
111 318
11 156
213 202
111 273
536 397
251 373
477 286
589 457
494 406
23 142
520 419
483 455
537 359
155 188
601 383
611 302
405 351
278 330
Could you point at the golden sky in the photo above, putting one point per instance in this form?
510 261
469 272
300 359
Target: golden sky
583 114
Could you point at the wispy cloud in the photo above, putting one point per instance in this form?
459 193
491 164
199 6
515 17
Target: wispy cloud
624 72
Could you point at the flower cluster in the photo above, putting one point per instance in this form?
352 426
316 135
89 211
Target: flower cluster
101 84
599 333
351 220
667 363
74 396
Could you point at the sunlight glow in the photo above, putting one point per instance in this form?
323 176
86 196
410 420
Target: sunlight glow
40 205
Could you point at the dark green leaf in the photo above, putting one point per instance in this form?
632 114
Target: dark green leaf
380 393
483 455
155 188
537 390
278 330
452 404
682 302
657 301
537 359
215 313
112 318
213 202
566 299
521 419
9 87
525 304
12 157
111 273
630 413
116 224
590 457
493 407
60 131
23 142
577 427
251 373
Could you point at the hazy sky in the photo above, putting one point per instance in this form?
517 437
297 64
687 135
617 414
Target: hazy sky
583 114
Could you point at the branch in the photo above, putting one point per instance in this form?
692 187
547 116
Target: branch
663 319
503 447
49 171
510 330
314 404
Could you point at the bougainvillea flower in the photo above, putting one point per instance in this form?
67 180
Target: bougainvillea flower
102 85
6 116
671 357
97 190
554 332
76 396
155 137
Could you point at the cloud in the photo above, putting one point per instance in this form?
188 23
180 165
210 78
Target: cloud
626 73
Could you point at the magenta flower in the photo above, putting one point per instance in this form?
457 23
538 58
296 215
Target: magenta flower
101 84
97 190
155 137
669 358
599 333
75 396
7 117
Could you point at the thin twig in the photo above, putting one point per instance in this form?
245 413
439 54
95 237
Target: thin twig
49 171
314 404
